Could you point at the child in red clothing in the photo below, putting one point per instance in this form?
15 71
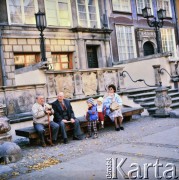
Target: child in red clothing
100 111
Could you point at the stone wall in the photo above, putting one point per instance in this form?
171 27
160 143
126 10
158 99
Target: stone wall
18 100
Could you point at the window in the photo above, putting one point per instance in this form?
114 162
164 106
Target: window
142 4
164 4
88 13
62 61
125 41
58 12
121 5
168 40
24 60
22 11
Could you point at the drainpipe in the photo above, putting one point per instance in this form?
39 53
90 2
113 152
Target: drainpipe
176 19
105 19
2 61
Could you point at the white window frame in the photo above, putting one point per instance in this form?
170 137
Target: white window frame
57 11
144 6
87 13
133 40
114 6
22 10
170 11
173 40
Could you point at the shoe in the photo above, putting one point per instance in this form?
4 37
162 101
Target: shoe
95 136
121 128
54 142
77 138
65 141
43 144
88 136
117 129
49 142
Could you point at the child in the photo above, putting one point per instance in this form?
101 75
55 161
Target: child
92 116
100 111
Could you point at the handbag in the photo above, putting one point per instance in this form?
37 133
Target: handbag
114 106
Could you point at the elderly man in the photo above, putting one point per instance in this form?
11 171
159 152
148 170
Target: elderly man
64 114
41 111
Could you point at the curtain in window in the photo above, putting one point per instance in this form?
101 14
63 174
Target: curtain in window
122 5
164 4
168 40
125 41
142 4
29 11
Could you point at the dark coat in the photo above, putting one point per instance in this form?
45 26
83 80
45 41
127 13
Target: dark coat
58 111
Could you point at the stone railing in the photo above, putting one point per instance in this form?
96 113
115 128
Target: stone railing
77 84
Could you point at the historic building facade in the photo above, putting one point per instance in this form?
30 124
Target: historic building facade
75 36
132 37
80 34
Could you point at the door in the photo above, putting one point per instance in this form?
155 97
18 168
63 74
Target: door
148 48
92 56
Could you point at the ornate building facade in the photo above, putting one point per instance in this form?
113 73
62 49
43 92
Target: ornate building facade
80 34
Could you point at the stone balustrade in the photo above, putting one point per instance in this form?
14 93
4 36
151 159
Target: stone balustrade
82 83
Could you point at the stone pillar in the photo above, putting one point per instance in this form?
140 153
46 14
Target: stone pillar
157 75
9 151
162 102
78 85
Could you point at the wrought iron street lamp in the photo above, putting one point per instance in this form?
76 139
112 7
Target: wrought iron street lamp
41 25
157 24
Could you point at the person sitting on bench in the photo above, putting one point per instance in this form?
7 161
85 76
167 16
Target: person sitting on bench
63 113
40 111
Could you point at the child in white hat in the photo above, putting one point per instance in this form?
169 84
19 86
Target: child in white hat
100 111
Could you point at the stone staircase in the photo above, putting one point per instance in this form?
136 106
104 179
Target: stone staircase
145 97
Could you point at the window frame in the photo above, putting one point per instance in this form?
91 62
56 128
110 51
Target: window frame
70 60
133 39
87 13
151 6
57 12
170 10
22 14
167 40
37 59
117 10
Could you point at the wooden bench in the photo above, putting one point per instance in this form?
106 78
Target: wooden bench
29 132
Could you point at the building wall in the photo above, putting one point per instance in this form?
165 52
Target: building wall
139 23
24 39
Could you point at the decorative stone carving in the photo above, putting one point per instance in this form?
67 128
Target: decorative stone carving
163 102
51 85
101 82
89 83
9 152
110 78
65 84
78 84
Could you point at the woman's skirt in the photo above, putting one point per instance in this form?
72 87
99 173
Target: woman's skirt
116 113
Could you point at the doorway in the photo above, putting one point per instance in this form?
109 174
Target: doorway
148 48
92 56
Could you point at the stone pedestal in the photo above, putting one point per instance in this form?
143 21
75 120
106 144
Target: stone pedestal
163 102
9 151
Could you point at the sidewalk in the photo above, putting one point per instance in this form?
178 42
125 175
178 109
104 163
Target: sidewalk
143 141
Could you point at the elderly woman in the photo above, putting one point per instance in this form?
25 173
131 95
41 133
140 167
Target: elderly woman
114 115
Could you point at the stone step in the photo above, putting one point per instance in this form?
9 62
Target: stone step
152 104
142 95
141 90
173 106
148 99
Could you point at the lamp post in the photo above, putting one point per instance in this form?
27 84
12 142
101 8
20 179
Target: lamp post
157 24
41 25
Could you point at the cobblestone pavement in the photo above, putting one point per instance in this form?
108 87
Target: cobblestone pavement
36 158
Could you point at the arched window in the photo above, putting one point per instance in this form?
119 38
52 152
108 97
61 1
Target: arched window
148 48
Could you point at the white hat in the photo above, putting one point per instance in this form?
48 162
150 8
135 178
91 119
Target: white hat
100 99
